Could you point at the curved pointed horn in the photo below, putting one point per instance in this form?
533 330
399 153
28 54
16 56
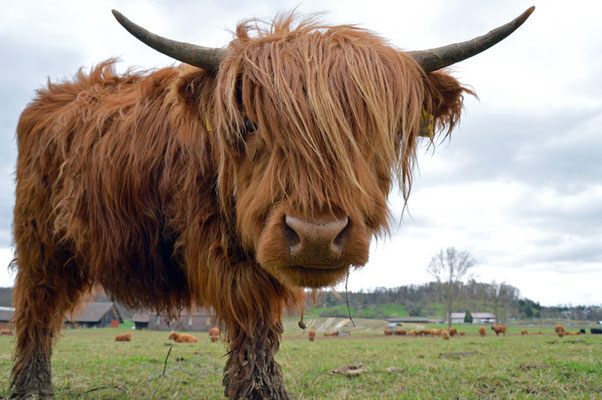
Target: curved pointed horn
434 59
203 57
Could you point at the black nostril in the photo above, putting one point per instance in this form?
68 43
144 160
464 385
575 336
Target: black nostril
291 236
341 238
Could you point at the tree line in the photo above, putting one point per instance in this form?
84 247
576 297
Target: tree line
425 300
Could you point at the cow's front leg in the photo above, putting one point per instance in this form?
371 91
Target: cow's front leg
251 371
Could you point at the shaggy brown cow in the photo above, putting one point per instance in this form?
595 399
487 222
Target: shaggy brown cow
335 333
444 334
453 332
400 332
124 337
388 332
559 329
182 338
499 329
6 332
524 332
311 335
229 182
462 333
214 334
482 331
537 333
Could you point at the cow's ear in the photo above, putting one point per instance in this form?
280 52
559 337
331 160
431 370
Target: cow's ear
193 88
443 99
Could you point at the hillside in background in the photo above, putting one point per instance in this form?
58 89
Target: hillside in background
425 300
419 301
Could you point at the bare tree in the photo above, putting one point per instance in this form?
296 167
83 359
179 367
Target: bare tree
500 297
448 268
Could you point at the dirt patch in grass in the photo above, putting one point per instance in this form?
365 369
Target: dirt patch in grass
457 355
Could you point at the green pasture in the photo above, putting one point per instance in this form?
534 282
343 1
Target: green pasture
88 364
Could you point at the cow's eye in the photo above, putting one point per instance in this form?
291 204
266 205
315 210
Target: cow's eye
250 126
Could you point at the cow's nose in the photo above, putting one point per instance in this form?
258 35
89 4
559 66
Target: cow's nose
316 242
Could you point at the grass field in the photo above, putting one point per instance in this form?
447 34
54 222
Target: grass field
88 364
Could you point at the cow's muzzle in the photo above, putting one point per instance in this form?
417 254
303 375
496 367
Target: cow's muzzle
316 243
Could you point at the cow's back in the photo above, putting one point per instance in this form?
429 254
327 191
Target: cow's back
91 178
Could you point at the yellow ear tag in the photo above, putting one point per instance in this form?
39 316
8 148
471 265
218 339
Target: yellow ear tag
427 124
207 121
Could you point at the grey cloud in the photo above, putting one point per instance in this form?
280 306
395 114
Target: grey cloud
524 148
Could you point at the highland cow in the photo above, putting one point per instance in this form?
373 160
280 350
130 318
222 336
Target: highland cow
311 335
214 334
388 332
124 337
229 182
499 329
182 337
400 332
6 332
453 332
482 331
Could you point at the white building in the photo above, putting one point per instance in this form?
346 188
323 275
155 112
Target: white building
477 318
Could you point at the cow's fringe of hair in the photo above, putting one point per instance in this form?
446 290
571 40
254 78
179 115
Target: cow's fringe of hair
343 97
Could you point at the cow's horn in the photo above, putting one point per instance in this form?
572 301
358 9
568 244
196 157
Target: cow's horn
441 57
203 57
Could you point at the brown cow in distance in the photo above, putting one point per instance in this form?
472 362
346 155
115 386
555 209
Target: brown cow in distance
400 332
524 332
229 182
311 335
124 337
182 337
482 331
6 332
499 329
214 334
453 332
388 332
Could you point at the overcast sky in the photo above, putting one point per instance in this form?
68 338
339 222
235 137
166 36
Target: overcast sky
519 185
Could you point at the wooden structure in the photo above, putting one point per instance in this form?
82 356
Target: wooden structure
94 315
198 321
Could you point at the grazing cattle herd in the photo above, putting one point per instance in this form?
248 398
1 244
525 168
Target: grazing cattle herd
214 333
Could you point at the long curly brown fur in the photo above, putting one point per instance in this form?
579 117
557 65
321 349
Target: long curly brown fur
151 186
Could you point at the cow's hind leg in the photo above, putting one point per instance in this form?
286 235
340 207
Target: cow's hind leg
46 287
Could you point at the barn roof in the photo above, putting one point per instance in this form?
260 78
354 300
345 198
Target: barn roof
6 313
93 312
145 316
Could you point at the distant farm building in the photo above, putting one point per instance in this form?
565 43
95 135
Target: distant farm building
407 320
477 318
94 315
6 313
199 320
